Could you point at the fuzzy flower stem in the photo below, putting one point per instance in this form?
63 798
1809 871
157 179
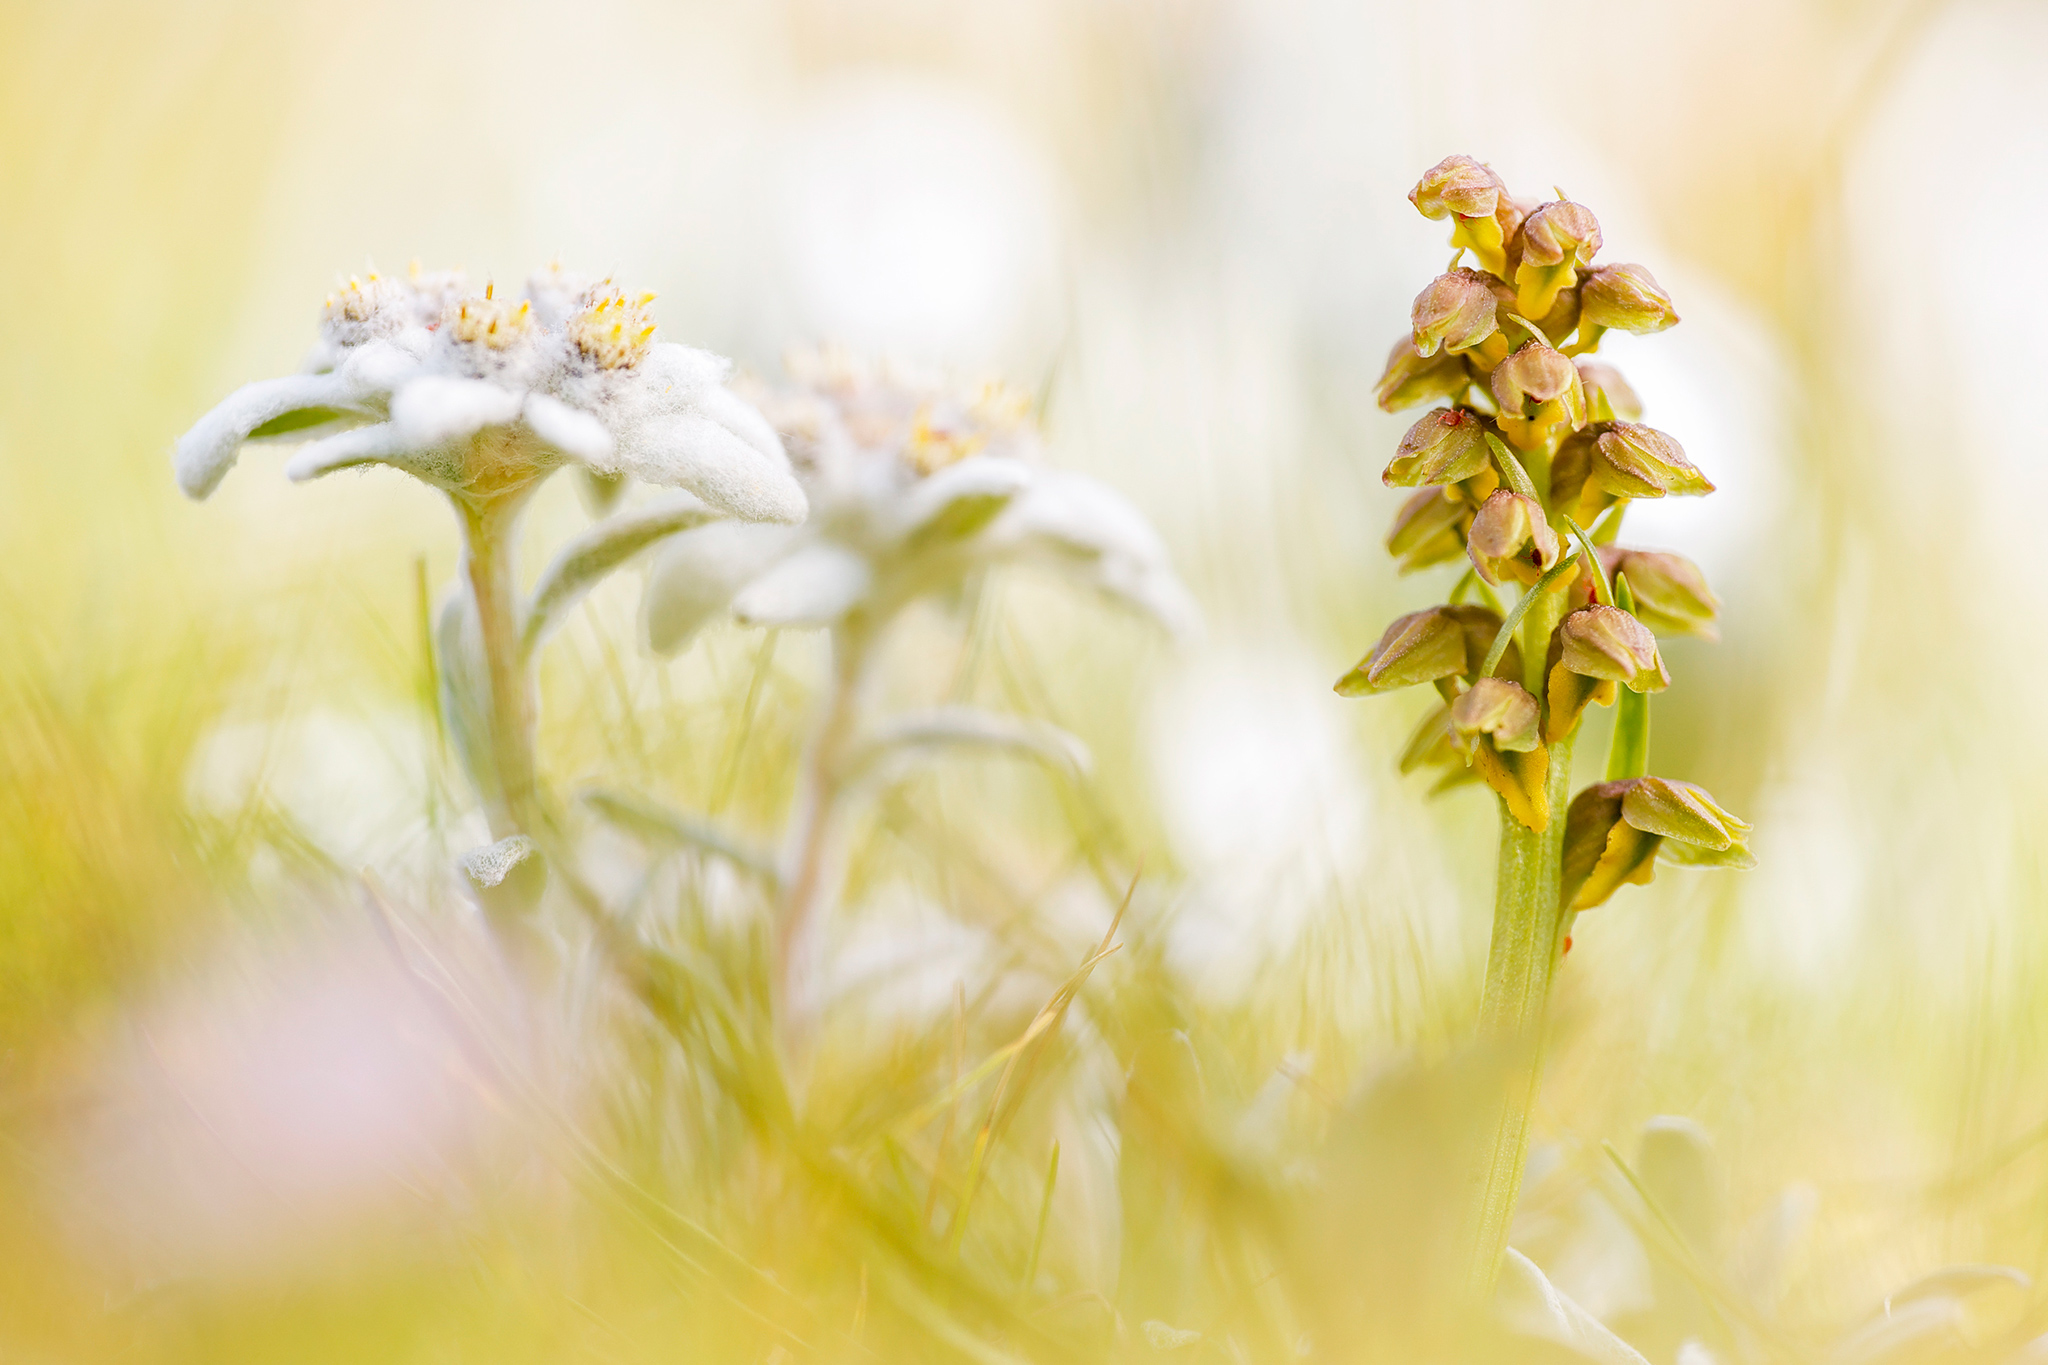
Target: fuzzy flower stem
510 794
811 863
1521 961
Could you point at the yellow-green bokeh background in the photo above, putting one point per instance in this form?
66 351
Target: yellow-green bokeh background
1183 222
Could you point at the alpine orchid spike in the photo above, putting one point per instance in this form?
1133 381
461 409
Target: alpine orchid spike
1535 439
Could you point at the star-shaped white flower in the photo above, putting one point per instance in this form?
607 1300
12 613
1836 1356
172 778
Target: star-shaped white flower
481 397
912 486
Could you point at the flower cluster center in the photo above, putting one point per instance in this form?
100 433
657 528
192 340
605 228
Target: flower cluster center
612 330
489 321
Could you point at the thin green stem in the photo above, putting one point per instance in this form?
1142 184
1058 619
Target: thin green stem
509 790
505 772
1603 593
1537 595
1511 471
1528 934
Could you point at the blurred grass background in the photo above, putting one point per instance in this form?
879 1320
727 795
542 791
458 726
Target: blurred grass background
1184 222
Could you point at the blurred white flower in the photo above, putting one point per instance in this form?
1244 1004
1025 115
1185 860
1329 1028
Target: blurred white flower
481 397
913 485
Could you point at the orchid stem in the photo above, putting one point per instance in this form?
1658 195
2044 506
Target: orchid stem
1521 961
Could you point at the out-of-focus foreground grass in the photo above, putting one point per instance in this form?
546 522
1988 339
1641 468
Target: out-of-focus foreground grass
254 1105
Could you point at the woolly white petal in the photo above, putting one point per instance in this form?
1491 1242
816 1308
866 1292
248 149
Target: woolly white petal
208 451
378 444
983 484
698 571
813 587
569 430
698 454
1081 521
1083 514
297 404
742 419
440 410
674 377
379 367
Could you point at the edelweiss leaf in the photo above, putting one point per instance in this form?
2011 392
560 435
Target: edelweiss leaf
585 561
697 572
899 738
488 866
648 820
463 685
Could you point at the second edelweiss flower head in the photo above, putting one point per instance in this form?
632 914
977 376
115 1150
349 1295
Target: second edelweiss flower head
482 396
914 484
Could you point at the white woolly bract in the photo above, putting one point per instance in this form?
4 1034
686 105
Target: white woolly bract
815 586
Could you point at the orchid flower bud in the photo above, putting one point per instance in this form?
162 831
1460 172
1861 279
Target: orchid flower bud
1633 461
1682 811
1567 694
1499 710
1538 390
1480 625
1496 723
1608 395
1483 216
1446 446
1555 242
1607 643
1428 530
1615 832
1505 524
1411 378
1456 312
1603 852
1627 297
1417 648
1671 593
1423 646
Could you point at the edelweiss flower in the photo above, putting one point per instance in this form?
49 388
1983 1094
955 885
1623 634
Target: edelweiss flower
481 397
912 485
